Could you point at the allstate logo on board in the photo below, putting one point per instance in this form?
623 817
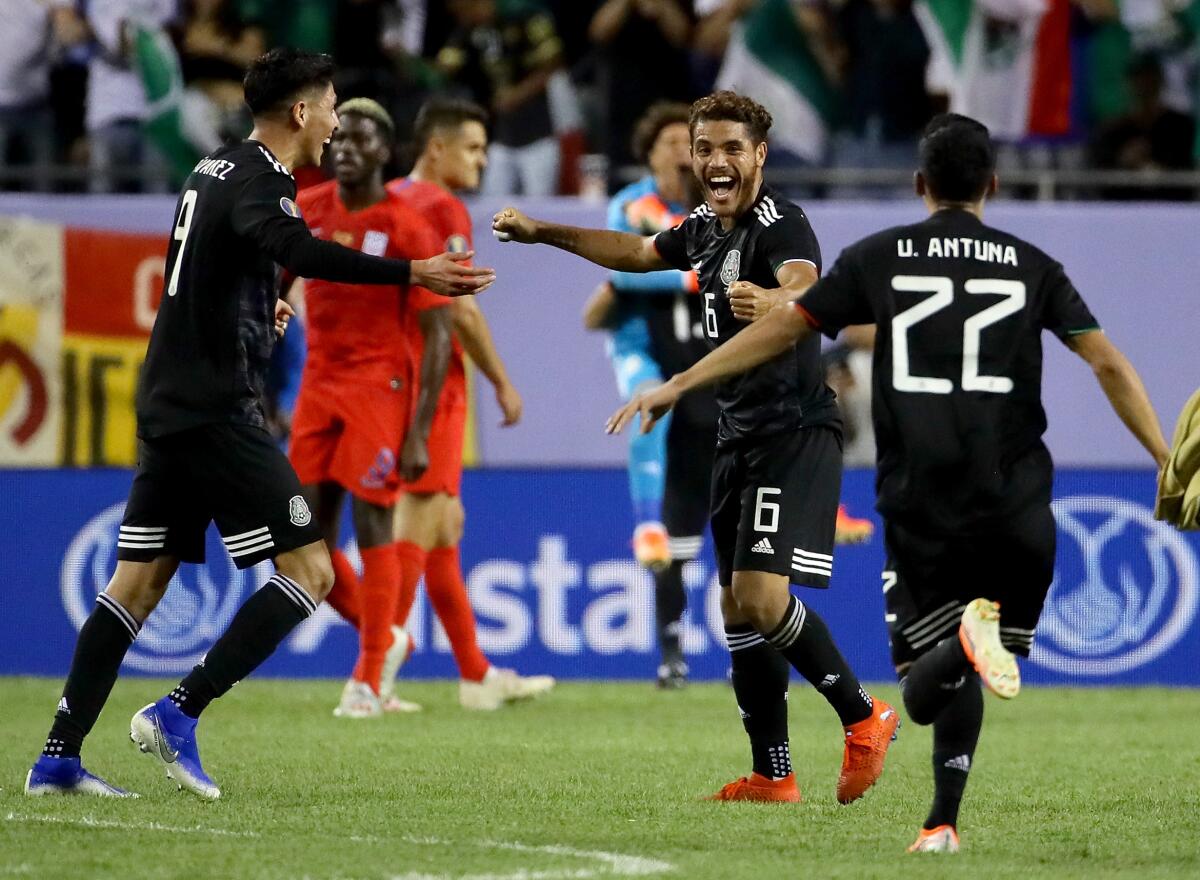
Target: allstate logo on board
199 604
1124 592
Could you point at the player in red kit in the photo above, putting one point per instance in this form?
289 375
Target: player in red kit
452 145
358 428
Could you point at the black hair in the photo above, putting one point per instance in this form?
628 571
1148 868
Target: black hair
729 106
957 158
275 80
444 113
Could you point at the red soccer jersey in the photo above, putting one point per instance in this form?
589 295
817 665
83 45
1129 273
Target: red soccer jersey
361 332
451 223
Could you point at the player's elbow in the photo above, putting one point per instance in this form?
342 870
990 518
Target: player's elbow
785 327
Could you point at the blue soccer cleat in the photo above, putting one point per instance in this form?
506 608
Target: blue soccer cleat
166 734
67 776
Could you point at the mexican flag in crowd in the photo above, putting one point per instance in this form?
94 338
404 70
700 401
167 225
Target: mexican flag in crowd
769 57
178 122
1007 63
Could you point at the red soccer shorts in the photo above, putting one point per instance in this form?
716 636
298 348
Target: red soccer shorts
445 449
350 434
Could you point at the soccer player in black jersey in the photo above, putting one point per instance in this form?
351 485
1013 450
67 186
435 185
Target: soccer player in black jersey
778 467
204 453
963 478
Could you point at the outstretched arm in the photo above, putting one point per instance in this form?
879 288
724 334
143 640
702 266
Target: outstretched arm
1124 389
757 344
620 251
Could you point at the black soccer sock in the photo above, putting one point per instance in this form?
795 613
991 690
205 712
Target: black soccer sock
804 640
669 603
103 641
933 679
760 684
263 621
955 735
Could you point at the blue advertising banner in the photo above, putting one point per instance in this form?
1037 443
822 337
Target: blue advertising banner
548 565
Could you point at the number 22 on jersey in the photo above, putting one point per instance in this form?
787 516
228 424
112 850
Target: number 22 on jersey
942 290
183 225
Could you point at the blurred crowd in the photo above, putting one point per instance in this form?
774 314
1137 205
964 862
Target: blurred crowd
128 92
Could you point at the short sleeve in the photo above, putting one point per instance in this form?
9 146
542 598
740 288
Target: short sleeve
266 209
672 244
459 239
790 239
839 299
1064 313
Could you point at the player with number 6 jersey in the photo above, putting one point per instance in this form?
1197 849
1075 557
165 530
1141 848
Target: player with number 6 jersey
963 476
777 472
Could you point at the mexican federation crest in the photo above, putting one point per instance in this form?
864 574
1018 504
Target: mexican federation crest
298 511
731 267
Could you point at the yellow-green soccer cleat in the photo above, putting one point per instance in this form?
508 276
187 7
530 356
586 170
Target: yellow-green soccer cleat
979 634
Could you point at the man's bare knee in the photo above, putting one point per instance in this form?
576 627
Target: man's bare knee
372 523
139 586
309 566
416 520
454 519
761 598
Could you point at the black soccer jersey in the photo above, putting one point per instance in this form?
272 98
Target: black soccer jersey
786 392
959 308
236 219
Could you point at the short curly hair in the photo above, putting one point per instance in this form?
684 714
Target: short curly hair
659 115
369 109
731 107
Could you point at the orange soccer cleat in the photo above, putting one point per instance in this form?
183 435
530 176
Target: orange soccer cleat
650 546
851 529
942 839
867 743
756 787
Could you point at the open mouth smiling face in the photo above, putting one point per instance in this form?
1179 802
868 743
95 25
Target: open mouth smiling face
727 162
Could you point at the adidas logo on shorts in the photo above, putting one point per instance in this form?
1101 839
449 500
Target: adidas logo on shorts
763 546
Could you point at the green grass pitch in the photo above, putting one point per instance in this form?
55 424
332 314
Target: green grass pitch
600 780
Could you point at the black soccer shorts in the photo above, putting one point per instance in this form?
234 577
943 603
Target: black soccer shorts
929 579
774 505
690 451
233 474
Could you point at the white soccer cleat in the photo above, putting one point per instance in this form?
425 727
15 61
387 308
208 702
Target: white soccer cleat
979 634
500 686
943 839
393 705
393 660
358 701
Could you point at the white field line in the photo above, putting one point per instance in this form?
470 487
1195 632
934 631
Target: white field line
605 864
89 822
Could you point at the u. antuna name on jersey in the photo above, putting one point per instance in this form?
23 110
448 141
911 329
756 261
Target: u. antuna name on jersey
786 392
959 309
